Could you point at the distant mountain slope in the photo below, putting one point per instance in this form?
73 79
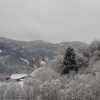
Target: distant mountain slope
22 56
61 47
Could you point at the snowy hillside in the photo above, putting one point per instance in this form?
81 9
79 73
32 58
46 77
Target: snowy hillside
23 57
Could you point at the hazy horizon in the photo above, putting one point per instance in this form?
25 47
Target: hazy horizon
43 41
51 21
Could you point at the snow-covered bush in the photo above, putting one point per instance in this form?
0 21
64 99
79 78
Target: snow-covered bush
3 88
48 74
50 90
82 62
31 89
13 91
57 63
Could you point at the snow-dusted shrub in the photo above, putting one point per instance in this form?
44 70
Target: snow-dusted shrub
3 88
91 69
50 90
96 67
31 89
82 62
57 63
13 91
48 74
82 87
94 46
30 93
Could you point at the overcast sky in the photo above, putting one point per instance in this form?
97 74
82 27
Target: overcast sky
50 20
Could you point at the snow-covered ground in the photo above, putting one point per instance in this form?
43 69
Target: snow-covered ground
25 60
35 72
0 51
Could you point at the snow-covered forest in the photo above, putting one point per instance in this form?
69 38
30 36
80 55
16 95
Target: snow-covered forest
51 84
49 49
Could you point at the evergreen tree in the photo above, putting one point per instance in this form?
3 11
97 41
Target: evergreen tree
69 62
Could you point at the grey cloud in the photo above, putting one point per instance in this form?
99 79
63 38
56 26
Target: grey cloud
50 20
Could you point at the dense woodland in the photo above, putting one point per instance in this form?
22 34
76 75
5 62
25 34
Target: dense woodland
60 80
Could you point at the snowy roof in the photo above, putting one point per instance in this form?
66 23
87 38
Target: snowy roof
18 76
37 71
42 62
